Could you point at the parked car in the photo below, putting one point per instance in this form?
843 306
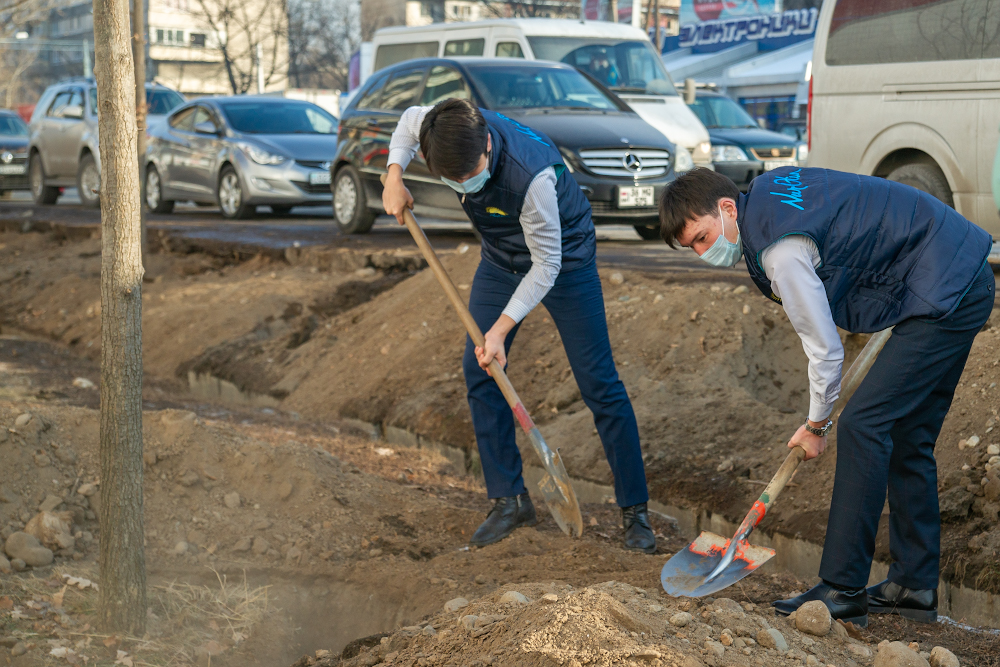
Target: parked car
621 162
63 150
13 152
741 149
241 152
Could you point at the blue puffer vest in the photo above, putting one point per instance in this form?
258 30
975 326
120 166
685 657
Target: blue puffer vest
518 155
889 252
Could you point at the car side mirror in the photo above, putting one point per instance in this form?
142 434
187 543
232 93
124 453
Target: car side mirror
206 127
74 111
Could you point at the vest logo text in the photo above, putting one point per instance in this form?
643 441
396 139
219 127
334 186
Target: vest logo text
793 183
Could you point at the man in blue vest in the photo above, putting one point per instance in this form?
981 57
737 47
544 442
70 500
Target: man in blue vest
538 247
863 254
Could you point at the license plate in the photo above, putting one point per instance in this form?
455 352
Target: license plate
319 178
640 196
12 169
774 164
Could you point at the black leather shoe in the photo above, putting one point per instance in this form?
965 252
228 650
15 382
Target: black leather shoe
848 606
507 515
916 605
638 533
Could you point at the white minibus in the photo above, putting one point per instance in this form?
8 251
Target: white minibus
618 55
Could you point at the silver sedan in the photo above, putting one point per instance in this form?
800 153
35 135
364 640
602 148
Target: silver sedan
240 153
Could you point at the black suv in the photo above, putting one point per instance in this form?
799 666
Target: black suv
620 162
741 149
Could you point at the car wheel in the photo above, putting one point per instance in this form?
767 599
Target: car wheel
88 182
41 193
350 209
154 192
280 210
648 233
230 196
924 177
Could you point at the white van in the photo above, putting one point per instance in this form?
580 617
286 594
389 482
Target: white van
618 55
908 90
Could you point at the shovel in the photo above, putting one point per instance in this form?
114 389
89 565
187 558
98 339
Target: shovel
712 562
554 485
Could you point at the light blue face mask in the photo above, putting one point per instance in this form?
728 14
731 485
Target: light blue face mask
470 185
724 252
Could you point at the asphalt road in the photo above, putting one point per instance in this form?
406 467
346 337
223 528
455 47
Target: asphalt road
618 245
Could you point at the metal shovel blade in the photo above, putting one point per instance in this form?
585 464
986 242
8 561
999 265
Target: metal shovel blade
556 488
686 574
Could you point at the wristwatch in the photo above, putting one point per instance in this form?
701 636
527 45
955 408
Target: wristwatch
821 432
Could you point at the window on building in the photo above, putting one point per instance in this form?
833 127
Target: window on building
159 36
401 91
390 54
509 50
444 83
197 40
465 47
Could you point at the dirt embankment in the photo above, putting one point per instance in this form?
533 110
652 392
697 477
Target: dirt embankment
716 374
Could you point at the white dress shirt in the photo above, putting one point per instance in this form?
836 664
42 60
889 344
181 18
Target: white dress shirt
539 219
790 264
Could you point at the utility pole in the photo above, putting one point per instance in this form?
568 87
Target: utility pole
613 11
139 58
121 604
656 18
260 69
86 59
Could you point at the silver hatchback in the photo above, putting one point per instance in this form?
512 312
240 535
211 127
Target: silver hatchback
241 152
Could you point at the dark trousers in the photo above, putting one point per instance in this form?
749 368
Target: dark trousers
576 304
885 441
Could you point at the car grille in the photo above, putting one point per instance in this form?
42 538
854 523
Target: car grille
14 181
627 162
314 189
608 208
772 153
315 164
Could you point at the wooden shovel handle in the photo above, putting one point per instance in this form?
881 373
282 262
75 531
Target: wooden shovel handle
496 370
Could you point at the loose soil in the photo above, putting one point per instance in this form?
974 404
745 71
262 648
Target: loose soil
327 519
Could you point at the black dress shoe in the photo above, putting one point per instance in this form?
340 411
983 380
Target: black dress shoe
507 515
849 606
916 605
638 533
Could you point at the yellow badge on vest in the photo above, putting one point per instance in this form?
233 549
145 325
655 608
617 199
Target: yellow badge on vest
493 210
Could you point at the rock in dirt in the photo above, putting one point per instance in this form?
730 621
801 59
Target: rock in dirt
616 278
898 654
52 529
87 490
232 500
469 622
549 598
180 548
18 565
715 648
27 548
955 503
680 619
515 597
942 657
813 618
50 503
692 661
22 420
243 545
772 638
455 604
260 546
4 565
481 579
19 649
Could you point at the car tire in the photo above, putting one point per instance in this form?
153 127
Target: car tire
88 179
924 177
648 233
350 209
280 210
153 193
229 193
41 193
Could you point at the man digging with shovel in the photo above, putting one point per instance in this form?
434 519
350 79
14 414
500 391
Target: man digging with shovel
864 254
538 246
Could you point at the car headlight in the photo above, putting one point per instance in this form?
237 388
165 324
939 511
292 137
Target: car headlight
703 150
259 155
682 160
728 154
803 152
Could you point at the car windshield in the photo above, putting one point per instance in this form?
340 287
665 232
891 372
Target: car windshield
512 87
630 66
12 126
721 113
162 101
278 118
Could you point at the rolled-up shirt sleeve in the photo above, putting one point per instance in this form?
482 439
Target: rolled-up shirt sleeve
790 265
405 141
543 236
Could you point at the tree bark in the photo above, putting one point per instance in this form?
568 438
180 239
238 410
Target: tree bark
139 58
122 598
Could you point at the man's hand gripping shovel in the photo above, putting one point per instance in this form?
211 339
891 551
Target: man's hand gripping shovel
554 485
712 562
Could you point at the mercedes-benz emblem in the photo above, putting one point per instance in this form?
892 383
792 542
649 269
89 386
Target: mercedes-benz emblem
632 162
7 157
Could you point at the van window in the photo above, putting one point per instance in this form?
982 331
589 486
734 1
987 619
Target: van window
390 54
370 96
622 66
401 91
465 47
444 83
509 50
866 32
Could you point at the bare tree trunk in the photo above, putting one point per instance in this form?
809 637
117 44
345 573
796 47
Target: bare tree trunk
139 58
122 598
656 18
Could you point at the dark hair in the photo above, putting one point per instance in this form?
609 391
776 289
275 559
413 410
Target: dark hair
453 138
692 195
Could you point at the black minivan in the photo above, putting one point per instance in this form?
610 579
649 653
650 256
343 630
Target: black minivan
620 162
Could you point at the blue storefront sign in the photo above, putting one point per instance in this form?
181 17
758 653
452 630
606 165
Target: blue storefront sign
708 26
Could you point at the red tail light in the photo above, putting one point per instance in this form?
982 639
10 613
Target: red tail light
809 116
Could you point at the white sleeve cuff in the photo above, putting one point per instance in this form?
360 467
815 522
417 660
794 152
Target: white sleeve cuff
400 156
516 309
819 411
